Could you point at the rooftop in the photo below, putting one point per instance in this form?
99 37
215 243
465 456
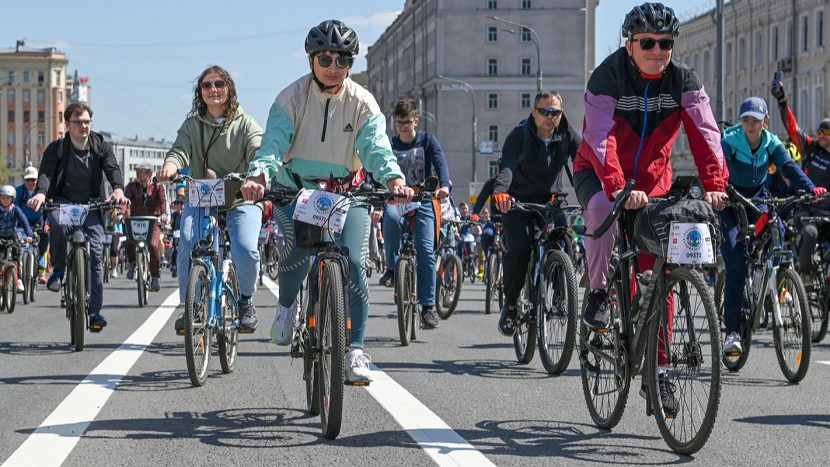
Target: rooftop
136 141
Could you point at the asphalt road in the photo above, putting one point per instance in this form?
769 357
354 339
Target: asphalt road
464 373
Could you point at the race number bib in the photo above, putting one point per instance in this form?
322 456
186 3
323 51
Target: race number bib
206 193
139 229
72 215
321 208
690 244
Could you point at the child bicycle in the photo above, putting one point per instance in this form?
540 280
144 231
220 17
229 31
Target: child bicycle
683 395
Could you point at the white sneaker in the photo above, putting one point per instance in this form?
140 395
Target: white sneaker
358 363
114 274
732 344
285 320
20 288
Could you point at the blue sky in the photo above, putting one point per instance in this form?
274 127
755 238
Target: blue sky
142 57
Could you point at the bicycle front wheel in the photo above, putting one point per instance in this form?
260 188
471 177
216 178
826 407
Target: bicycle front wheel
524 336
140 282
10 288
492 279
107 267
273 256
448 286
196 330
332 339
229 339
405 297
26 276
685 392
78 303
793 336
557 313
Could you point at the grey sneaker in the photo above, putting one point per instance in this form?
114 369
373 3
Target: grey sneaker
732 345
285 320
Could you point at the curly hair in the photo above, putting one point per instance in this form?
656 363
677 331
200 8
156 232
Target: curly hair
199 104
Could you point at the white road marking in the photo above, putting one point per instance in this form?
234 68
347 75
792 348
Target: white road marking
825 362
55 438
436 438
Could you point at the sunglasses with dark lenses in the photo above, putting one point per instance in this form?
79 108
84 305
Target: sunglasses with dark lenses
549 112
824 131
341 61
647 43
218 84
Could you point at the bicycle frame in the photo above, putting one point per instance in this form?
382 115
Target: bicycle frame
212 232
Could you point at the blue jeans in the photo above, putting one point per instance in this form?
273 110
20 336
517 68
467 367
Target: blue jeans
294 264
424 246
243 227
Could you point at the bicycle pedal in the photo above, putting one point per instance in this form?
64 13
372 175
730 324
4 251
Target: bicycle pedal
732 354
245 330
603 330
668 415
96 328
359 384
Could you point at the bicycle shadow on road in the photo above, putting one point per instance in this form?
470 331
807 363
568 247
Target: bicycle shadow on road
735 379
812 420
500 369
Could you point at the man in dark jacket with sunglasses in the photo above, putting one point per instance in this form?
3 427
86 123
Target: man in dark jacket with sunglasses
530 170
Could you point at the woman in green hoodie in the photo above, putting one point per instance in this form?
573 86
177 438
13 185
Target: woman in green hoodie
749 150
216 139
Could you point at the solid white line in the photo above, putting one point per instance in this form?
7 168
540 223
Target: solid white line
826 362
436 438
53 441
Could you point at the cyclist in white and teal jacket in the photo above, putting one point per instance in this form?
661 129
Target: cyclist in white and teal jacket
322 127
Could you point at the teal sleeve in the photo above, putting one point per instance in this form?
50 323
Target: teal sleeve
375 150
277 139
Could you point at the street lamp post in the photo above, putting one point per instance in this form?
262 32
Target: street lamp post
535 38
469 90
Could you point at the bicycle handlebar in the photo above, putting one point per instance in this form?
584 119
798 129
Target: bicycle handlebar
615 210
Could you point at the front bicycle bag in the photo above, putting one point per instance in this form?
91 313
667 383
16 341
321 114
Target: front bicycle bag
652 225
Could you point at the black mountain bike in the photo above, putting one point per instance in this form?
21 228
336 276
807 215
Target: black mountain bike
611 358
494 273
815 283
449 275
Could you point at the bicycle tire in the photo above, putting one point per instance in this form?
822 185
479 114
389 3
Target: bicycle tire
10 283
332 359
733 363
197 333
825 318
556 324
229 338
524 336
688 431
448 286
404 292
33 282
26 272
141 285
273 256
798 320
605 384
490 282
818 301
106 263
310 371
263 263
78 321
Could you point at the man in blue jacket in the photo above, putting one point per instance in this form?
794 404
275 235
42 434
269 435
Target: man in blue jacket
25 192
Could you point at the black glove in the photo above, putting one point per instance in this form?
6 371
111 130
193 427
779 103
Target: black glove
777 91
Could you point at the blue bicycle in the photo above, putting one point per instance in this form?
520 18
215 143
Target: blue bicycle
212 300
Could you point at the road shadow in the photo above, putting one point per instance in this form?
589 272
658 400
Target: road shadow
813 420
735 379
499 369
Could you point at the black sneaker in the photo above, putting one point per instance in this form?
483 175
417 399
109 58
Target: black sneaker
179 324
429 318
507 321
597 316
247 318
97 322
154 284
667 399
388 278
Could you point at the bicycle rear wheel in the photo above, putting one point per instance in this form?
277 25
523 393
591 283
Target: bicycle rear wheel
817 295
405 297
492 279
78 312
10 288
107 267
273 256
229 339
693 375
26 274
556 316
792 338
524 337
332 339
448 286
604 370
196 330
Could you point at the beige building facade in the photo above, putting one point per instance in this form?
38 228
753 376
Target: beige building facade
462 66
32 99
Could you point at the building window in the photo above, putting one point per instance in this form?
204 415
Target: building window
525 100
25 116
11 95
26 95
41 116
789 40
493 168
526 5
11 141
526 36
803 42
773 43
11 116
492 101
58 77
492 5
820 28
742 54
705 67
40 77
759 49
25 76
41 96
41 139
804 107
11 76
10 163
727 60
492 66
493 133
525 66
492 34
60 118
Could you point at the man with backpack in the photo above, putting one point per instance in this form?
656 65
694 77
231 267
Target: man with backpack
530 170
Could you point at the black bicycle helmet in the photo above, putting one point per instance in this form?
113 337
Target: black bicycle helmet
334 36
654 18
824 124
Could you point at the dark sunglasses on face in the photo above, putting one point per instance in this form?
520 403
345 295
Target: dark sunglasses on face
218 84
549 112
647 43
341 61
